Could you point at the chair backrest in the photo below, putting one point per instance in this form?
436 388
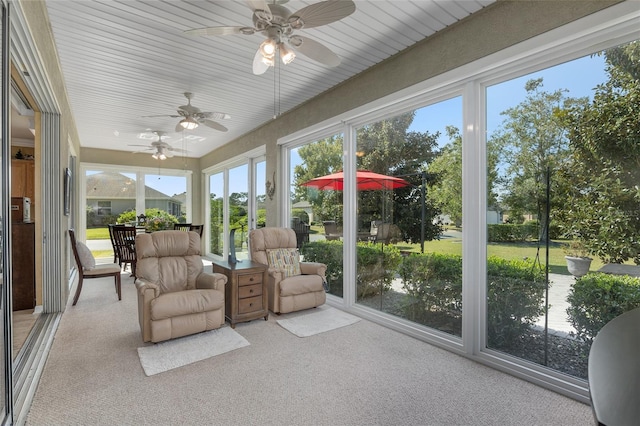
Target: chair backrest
188 227
197 228
375 224
263 239
170 259
330 227
182 226
112 238
124 237
74 247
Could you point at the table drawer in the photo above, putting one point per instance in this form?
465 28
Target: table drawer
249 304
249 291
249 279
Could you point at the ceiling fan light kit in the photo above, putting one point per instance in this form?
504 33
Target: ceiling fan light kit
277 24
188 123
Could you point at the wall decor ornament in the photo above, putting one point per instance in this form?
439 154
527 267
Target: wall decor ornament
271 187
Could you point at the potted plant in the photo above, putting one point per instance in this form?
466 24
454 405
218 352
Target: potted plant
577 257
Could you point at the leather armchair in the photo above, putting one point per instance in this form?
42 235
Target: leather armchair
175 296
292 293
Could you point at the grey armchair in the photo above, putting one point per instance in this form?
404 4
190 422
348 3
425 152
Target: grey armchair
175 296
287 293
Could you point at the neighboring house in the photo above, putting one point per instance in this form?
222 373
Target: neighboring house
182 199
110 194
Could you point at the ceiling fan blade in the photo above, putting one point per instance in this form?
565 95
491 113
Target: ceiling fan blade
214 115
182 151
259 67
220 31
315 50
214 125
163 115
146 146
324 12
258 4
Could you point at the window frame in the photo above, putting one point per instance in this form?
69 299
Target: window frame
613 26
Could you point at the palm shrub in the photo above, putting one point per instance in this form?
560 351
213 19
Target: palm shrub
596 298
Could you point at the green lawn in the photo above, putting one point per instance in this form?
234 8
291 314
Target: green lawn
98 234
557 263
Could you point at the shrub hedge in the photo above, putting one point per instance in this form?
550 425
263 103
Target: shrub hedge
597 298
377 264
433 282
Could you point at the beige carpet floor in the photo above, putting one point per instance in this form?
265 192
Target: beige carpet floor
361 374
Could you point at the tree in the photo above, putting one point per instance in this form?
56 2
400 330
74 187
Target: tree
533 142
603 174
385 147
319 159
389 148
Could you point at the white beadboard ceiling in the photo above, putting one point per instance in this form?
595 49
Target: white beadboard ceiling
123 60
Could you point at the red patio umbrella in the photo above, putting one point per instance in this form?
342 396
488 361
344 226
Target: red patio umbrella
365 181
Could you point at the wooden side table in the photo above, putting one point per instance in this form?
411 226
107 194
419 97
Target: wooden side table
245 295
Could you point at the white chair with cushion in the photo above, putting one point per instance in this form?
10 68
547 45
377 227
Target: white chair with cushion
175 296
87 267
291 285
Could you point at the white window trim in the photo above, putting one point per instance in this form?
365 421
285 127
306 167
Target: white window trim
250 158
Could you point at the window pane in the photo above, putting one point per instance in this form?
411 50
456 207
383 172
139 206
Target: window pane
111 198
409 263
216 219
164 201
316 212
261 195
567 175
239 208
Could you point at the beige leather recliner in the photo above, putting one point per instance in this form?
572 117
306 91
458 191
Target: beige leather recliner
293 293
175 297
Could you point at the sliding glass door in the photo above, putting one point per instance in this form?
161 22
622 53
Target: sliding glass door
5 229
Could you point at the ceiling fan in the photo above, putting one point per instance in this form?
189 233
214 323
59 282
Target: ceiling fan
192 117
278 24
162 150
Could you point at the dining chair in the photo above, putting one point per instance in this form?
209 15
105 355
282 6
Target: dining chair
113 243
125 238
182 226
188 227
87 267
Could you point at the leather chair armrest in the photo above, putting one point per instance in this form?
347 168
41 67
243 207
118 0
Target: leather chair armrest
276 274
214 281
313 268
147 289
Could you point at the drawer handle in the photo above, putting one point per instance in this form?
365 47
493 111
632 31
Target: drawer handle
251 279
250 304
251 291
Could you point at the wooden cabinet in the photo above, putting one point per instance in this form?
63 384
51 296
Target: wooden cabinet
23 178
245 295
23 266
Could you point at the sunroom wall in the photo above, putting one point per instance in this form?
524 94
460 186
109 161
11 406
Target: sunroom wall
496 27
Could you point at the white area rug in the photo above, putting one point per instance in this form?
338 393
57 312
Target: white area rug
175 353
317 321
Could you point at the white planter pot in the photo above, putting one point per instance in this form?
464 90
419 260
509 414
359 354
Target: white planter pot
578 266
